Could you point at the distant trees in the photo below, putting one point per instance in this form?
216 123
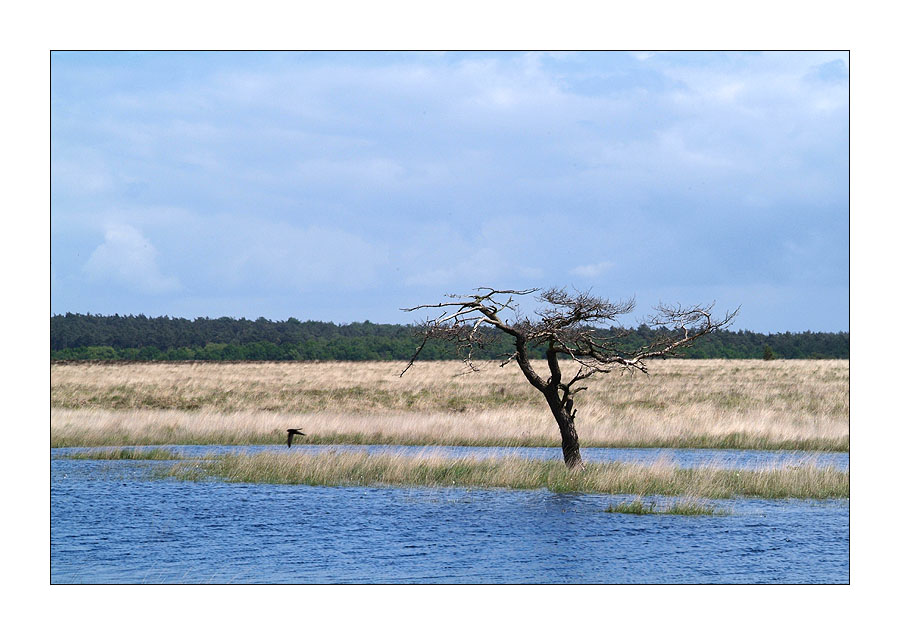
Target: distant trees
116 337
564 327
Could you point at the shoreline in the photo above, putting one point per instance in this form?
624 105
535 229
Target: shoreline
839 447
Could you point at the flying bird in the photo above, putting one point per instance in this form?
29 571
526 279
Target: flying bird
291 432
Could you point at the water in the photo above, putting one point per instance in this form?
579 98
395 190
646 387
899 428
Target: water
112 523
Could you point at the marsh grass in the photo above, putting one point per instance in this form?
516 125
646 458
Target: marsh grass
780 405
681 507
661 478
125 454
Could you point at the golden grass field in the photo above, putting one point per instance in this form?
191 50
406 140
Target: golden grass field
781 404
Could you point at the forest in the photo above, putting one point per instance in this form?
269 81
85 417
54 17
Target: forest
75 336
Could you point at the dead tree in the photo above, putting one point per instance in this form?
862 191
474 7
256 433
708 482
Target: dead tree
565 325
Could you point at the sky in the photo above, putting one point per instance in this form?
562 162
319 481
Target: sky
343 186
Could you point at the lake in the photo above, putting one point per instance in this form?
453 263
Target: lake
111 522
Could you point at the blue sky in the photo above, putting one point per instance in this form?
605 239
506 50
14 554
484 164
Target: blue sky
343 186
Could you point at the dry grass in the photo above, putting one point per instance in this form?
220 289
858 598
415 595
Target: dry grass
662 478
783 404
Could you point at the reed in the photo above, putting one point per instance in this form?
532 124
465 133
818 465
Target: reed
682 507
125 454
661 478
784 404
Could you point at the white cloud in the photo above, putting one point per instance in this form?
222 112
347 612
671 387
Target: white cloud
592 271
128 259
351 172
80 172
241 252
448 257
473 269
322 173
483 267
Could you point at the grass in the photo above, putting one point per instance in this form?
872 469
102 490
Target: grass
684 507
783 405
120 454
662 478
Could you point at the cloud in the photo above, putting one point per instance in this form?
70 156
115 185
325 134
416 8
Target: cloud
80 172
128 259
241 253
447 257
308 175
351 172
833 71
479 267
592 271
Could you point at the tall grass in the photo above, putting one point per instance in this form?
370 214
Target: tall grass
787 404
688 506
125 454
661 478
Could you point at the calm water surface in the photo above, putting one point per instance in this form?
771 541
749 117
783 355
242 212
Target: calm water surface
112 523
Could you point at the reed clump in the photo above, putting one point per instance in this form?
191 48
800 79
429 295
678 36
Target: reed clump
749 404
681 507
125 454
661 478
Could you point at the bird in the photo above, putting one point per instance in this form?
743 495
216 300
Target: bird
291 432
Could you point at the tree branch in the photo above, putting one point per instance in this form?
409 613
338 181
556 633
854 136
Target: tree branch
567 323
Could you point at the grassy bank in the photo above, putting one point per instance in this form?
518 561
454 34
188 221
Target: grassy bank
664 479
798 404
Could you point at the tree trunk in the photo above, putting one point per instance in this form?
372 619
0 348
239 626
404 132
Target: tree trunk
566 422
571 449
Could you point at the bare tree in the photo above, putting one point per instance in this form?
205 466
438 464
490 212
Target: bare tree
567 325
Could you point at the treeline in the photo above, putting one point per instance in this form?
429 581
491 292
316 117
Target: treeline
140 338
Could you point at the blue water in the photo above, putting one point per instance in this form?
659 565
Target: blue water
112 523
